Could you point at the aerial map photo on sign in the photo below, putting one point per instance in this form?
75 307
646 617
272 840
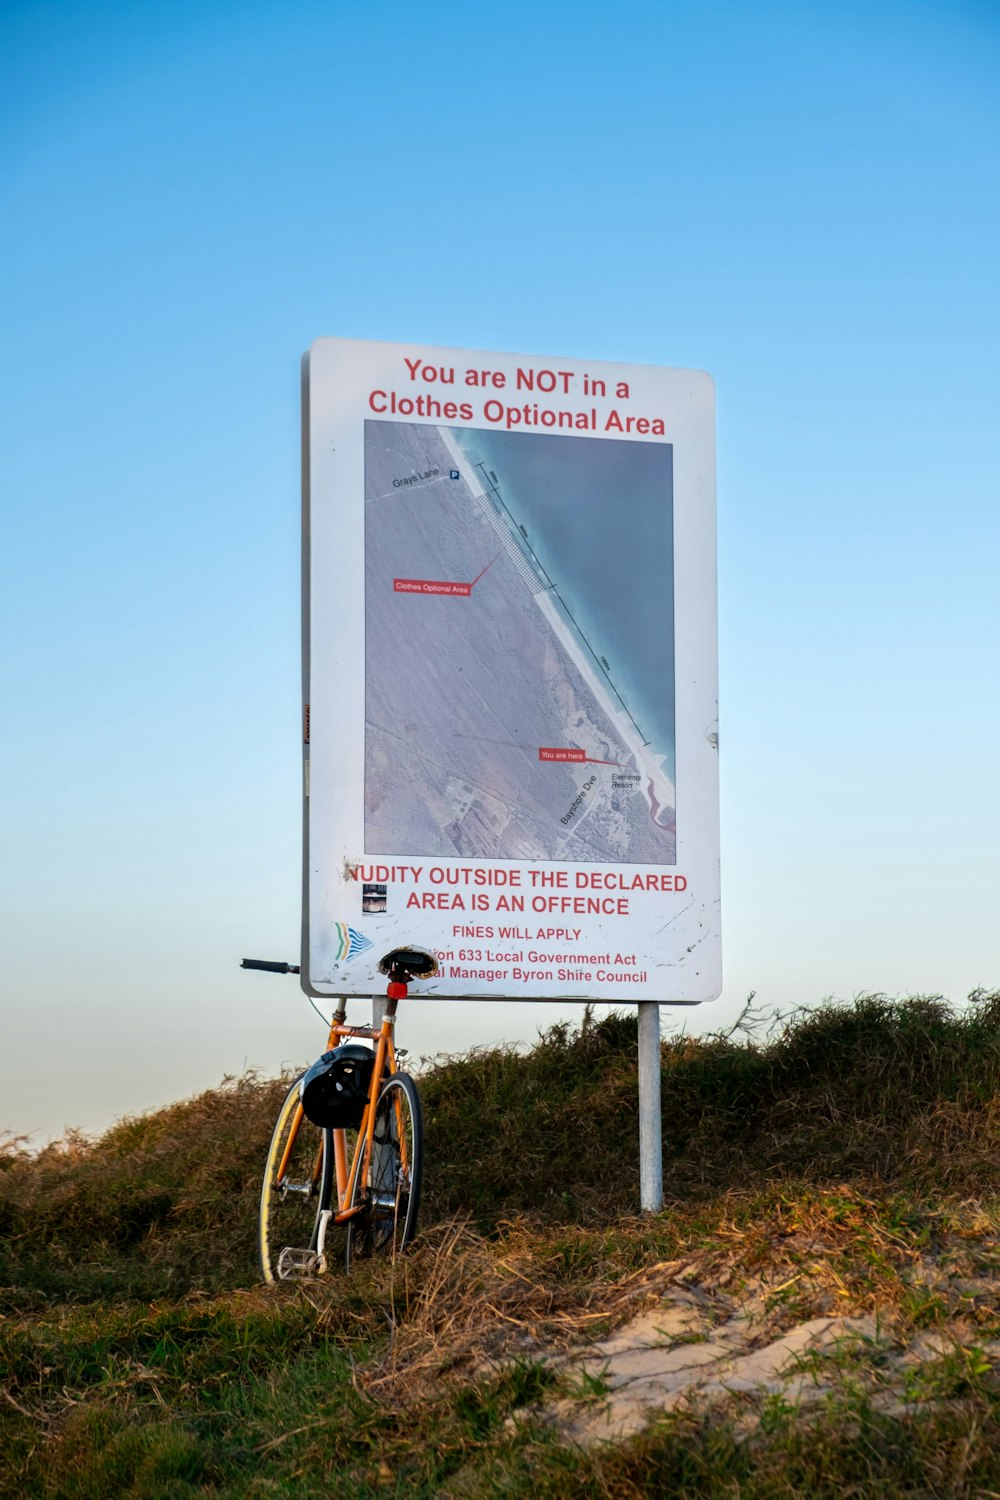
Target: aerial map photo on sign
519 621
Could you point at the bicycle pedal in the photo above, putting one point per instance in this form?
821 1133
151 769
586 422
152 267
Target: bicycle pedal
293 1263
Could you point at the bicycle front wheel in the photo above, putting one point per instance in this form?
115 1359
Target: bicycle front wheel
297 1189
388 1194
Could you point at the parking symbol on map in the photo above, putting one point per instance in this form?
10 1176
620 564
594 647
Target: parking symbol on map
453 474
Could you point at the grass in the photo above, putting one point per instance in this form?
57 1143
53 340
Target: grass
846 1163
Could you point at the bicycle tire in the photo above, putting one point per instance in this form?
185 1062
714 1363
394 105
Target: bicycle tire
290 1209
389 1193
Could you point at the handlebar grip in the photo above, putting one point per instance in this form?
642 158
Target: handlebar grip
271 968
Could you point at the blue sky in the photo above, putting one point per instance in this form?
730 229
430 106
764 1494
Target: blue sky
800 198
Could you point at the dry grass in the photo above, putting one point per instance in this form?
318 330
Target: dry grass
891 1094
463 1303
845 1165
158 1206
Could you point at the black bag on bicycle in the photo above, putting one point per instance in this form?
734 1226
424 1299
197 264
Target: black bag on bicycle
334 1090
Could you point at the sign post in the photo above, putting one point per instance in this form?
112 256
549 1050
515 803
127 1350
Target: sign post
510 680
650 1121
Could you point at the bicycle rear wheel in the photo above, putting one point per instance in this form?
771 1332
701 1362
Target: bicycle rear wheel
389 1193
297 1189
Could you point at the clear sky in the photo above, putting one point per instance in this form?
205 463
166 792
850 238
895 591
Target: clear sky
798 197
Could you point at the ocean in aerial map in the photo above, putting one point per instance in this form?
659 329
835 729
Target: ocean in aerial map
599 517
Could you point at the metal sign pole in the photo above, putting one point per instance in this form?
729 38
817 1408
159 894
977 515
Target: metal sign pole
650 1126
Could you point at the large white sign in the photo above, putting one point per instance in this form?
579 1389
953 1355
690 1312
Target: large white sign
510 674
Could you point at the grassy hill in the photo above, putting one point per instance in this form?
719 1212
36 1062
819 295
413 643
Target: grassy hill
844 1166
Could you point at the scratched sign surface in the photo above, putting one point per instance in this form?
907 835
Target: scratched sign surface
510 676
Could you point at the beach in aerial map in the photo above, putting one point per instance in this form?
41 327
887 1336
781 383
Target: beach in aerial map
519 646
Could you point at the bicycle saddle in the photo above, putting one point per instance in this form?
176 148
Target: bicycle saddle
415 963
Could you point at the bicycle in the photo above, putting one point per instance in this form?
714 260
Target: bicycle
373 1160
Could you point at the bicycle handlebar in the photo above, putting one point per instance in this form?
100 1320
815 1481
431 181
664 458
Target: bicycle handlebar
269 965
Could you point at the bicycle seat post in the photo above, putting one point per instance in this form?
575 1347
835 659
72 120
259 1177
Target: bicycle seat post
400 967
396 990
